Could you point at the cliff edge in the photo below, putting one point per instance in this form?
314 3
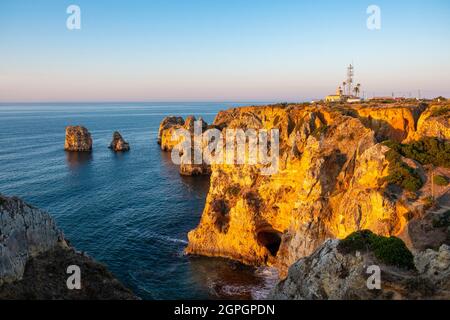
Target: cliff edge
341 168
34 257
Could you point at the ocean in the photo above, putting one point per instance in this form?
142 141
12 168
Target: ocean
131 211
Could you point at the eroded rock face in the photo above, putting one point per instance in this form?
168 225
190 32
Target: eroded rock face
38 283
329 183
396 122
118 144
164 132
331 274
78 139
434 122
170 138
31 245
24 232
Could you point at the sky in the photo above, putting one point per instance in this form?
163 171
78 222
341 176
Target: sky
220 50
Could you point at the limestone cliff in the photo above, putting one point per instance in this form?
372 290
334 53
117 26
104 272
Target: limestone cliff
330 182
327 185
434 122
78 139
171 135
396 121
34 256
25 232
166 124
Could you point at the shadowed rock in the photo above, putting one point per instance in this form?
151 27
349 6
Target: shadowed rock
34 257
118 144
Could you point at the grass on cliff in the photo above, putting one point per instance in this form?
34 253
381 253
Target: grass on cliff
425 151
389 250
440 111
401 174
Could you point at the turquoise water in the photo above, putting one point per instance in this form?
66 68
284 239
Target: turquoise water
131 211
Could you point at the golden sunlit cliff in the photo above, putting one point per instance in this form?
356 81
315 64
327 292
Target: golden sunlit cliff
331 180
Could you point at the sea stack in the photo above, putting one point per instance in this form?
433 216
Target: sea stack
118 144
78 139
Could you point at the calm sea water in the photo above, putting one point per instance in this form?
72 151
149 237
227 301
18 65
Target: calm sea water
130 211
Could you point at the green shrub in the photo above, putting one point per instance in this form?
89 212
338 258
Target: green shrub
426 151
401 174
440 111
389 250
440 181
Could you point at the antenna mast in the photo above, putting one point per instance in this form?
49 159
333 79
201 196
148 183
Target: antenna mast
350 74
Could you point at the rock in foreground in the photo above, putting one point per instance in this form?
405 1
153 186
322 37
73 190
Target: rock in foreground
336 274
78 139
34 257
118 144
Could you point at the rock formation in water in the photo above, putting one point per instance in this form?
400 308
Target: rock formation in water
336 274
169 137
34 257
118 144
164 127
334 177
78 139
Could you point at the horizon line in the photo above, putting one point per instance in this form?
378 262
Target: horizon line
147 101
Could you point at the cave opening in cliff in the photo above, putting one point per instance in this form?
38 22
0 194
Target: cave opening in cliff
271 239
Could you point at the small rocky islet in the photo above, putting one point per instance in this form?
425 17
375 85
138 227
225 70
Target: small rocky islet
118 144
78 139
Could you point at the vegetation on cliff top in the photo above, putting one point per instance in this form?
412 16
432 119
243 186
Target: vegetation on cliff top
425 151
440 111
401 174
389 250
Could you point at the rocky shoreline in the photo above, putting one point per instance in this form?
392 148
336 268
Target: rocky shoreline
338 173
34 257
331 273
341 169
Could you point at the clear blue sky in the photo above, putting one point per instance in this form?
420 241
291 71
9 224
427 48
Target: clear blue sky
216 50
